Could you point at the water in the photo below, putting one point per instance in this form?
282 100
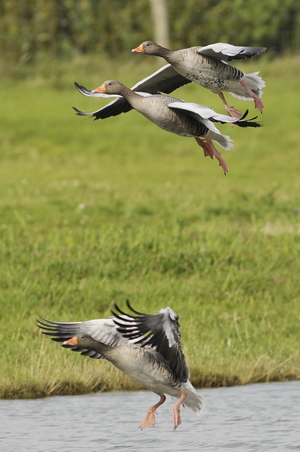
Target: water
262 417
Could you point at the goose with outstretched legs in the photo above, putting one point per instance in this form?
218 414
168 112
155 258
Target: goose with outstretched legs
146 347
170 114
207 66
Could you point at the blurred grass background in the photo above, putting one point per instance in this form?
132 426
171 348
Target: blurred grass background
96 212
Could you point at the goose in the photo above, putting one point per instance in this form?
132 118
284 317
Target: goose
146 347
207 66
170 114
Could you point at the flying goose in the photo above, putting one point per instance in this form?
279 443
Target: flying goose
207 66
170 114
145 347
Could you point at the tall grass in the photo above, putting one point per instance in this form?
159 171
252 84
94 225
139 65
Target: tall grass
96 212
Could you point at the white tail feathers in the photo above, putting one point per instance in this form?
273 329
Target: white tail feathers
254 82
193 399
223 140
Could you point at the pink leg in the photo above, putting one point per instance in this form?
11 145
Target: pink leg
209 150
230 110
176 410
149 420
257 100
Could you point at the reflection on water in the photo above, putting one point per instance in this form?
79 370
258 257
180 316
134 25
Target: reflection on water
262 417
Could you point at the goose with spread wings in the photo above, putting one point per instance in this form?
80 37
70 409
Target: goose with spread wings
146 347
170 114
208 67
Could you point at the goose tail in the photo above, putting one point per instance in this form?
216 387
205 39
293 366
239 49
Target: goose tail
193 400
254 82
223 140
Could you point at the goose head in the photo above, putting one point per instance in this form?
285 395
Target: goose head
83 341
149 48
110 87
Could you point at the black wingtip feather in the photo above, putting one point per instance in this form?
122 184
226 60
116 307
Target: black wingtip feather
243 122
131 308
81 113
243 116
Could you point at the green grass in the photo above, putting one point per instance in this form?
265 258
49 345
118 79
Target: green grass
96 212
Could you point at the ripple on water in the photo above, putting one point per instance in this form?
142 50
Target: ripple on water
262 417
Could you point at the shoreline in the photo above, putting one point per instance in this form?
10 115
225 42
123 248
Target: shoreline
77 388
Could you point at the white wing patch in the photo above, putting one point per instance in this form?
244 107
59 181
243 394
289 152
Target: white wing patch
224 51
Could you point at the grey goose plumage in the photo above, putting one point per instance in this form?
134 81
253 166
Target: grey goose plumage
207 66
145 347
170 114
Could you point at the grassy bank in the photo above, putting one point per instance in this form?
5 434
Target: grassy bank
96 212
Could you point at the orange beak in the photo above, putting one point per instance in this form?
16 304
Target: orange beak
72 341
139 49
100 89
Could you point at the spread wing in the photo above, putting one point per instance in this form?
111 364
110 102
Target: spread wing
102 330
114 108
165 80
229 52
158 331
203 113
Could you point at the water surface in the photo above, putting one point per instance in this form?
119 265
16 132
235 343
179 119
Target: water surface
262 417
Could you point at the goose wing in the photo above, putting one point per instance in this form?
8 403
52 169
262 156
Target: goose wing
158 331
89 93
165 80
229 52
206 115
102 330
114 108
